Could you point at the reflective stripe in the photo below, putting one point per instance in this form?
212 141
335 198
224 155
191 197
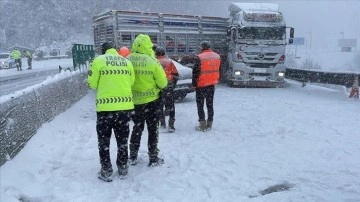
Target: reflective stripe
209 71
112 100
143 94
144 72
114 71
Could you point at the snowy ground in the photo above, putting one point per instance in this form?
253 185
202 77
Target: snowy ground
37 66
305 140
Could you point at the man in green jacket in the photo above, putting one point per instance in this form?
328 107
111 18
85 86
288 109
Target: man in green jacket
16 55
29 58
150 79
112 76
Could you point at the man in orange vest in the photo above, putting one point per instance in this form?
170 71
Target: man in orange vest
205 76
168 101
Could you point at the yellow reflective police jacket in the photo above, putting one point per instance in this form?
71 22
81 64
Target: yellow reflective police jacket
150 77
113 76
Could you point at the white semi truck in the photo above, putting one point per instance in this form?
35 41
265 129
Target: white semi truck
251 41
257 42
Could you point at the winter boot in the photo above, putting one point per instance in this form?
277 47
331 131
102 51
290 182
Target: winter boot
105 175
209 125
132 161
123 170
202 126
155 162
171 125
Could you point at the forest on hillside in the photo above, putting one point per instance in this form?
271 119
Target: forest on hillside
28 22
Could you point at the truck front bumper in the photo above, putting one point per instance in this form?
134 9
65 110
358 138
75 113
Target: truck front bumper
257 83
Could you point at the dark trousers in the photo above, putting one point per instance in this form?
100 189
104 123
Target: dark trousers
18 61
167 101
205 94
119 122
148 113
29 62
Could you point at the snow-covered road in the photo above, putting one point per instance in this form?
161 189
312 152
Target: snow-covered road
12 80
305 140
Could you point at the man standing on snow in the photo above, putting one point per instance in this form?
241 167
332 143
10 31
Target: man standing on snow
205 77
113 76
16 55
150 79
29 58
167 97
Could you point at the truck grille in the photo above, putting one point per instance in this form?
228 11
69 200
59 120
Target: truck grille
260 65
259 74
257 56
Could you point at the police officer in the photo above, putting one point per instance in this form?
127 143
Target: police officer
150 80
112 76
168 101
16 55
29 58
205 77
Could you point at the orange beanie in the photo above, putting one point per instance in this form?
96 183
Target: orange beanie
124 51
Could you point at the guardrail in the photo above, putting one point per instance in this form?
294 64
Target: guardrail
52 57
313 76
64 69
21 117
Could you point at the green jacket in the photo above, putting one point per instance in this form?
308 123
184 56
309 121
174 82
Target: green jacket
27 54
15 54
150 77
112 76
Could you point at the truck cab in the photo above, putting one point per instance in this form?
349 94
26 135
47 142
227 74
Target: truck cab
257 42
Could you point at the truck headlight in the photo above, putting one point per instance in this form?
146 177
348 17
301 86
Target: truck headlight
238 72
281 74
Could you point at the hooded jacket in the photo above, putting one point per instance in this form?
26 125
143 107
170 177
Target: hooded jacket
112 76
150 77
15 54
27 54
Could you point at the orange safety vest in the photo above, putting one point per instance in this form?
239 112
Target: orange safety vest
209 71
168 66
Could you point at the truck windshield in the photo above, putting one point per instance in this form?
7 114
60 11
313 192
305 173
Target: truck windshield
262 33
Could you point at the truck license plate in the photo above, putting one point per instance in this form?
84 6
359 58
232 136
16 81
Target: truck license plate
259 70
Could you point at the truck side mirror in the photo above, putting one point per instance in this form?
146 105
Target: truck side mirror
292 32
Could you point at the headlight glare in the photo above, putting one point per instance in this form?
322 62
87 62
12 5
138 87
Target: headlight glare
238 73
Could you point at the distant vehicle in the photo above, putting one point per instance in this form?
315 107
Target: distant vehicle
6 62
184 84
